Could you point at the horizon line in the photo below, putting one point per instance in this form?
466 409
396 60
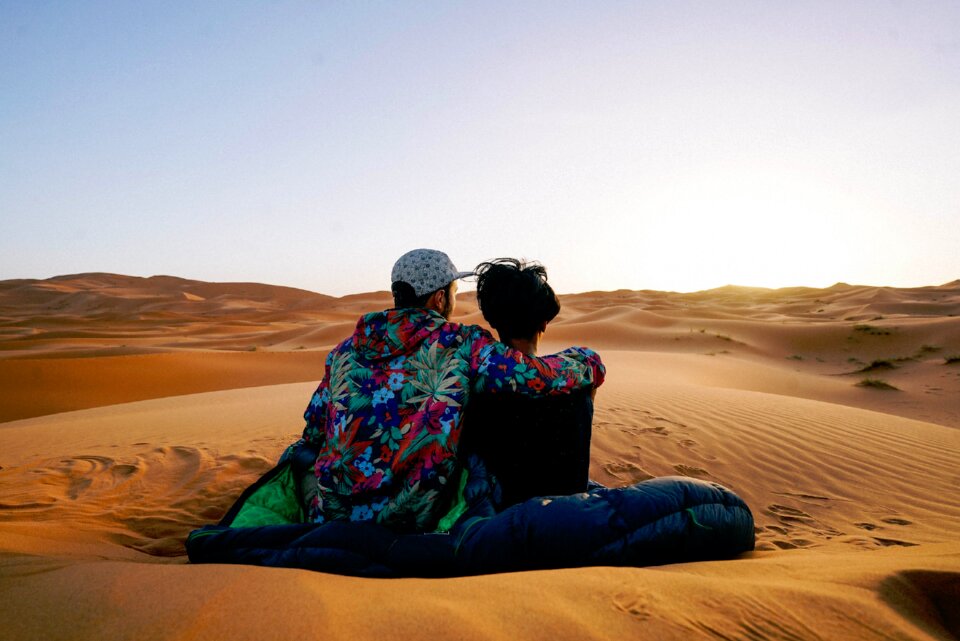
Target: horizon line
837 284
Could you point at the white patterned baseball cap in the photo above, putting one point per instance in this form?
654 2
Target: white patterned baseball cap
426 270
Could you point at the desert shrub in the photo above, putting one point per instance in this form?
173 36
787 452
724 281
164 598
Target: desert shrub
876 383
879 364
872 330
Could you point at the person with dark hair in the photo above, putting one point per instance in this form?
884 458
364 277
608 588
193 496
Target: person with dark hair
383 427
516 300
532 446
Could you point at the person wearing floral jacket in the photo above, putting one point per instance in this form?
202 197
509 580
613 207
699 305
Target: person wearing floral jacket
386 418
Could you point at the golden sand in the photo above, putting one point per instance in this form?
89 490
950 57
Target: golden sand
134 410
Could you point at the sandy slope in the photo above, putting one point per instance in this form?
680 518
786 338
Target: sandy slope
93 339
856 491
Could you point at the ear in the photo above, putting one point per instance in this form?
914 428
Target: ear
436 300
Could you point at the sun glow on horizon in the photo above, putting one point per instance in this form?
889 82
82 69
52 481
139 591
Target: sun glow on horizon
751 227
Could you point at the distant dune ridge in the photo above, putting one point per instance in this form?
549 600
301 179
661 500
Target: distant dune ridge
135 409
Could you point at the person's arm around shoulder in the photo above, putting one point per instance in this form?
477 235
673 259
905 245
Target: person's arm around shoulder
502 368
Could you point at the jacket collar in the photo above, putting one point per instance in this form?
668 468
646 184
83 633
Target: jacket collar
387 334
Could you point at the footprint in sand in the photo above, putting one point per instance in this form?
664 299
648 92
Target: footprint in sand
253 462
895 521
627 472
792 517
635 604
690 444
125 469
890 542
689 470
658 430
670 421
189 486
793 544
804 496
787 513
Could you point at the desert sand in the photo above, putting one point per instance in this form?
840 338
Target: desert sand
133 410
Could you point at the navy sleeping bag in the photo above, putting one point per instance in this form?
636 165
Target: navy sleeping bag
663 520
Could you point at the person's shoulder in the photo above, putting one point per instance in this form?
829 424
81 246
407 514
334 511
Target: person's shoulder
345 345
467 332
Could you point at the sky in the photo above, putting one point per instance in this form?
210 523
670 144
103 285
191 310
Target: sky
665 145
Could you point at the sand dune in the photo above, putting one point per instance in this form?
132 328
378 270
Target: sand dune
806 334
855 490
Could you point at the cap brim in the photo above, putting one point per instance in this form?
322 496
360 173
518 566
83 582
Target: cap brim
464 275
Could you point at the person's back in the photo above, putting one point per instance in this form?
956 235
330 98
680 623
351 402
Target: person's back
386 417
532 446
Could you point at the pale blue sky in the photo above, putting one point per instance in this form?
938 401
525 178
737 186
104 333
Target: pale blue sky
662 145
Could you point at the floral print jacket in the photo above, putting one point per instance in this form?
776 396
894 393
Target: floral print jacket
387 414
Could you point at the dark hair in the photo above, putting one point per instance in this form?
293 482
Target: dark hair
404 296
514 297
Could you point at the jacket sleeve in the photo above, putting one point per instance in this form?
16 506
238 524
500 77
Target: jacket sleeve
315 431
500 368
